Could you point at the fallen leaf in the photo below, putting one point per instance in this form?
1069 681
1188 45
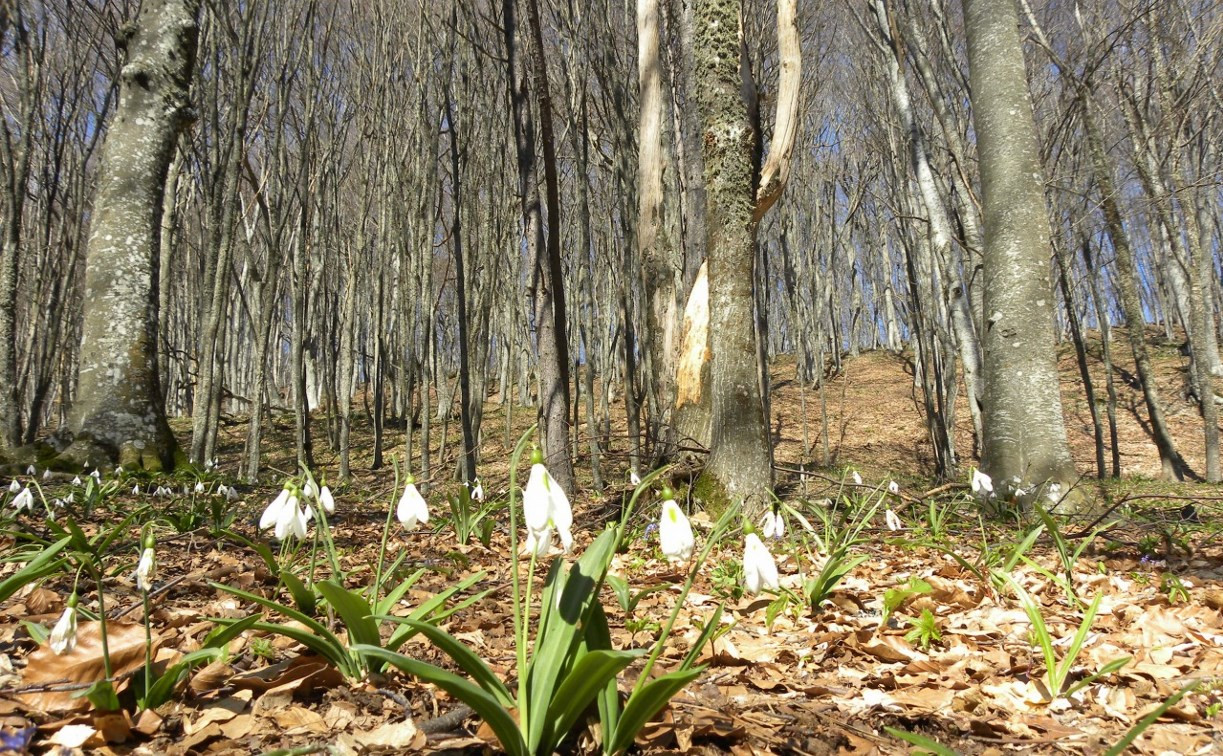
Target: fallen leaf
82 666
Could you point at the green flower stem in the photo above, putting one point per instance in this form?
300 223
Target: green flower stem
148 648
520 619
715 535
386 533
97 576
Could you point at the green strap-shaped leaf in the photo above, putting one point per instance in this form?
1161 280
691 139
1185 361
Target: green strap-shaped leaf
40 566
598 637
302 595
589 677
484 704
464 657
276 606
553 648
354 610
921 741
647 702
711 627
163 688
389 600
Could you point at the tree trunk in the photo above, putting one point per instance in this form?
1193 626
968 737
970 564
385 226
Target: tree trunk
1024 432
119 412
740 464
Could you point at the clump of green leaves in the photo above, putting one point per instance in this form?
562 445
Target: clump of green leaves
924 630
894 598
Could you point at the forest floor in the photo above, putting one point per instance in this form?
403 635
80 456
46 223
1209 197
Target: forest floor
925 635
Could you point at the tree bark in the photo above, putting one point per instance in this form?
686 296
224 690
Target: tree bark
1025 444
740 462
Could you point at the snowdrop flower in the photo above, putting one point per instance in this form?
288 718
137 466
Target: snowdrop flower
674 531
982 484
545 505
199 486
310 490
146 568
24 500
63 635
14 487
412 510
477 493
892 520
46 475
633 478
96 475
136 490
773 525
76 481
857 478
31 470
893 487
325 499
759 569
231 494
285 515
71 497
292 520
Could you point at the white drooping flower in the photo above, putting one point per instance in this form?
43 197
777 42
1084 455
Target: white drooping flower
24 500
773 525
63 635
46 475
326 500
675 536
271 515
545 506
76 481
292 520
477 493
892 520
412 510
857 478
893 487
136 490
14 487
199 487
231 494
146 568
982 484
31 470
633 478
759 569
310 489
285 515
96 474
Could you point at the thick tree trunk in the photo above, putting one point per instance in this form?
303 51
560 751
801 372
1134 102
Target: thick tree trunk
740 464
119 411
1024 432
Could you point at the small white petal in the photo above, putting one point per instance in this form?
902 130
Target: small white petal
759 568
675 536
327 500
412 510
857 478
634 478
893 521
146 570
271 515
76 481
31 470
14 487
982 484
63 635
893 487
